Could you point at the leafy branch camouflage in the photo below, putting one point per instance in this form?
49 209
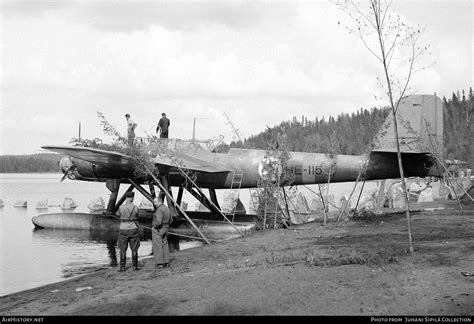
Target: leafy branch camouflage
271 197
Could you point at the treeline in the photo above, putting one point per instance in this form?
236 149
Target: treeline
459 128
41 162
344 134
352 134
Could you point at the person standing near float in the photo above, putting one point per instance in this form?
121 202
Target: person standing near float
160 226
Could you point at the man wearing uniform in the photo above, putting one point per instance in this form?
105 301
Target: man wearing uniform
128 233
131 125
163 125
160 226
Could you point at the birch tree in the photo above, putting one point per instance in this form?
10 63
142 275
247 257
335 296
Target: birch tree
396 46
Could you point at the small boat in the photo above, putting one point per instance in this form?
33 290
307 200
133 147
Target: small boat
21 204
68 203
43 204
1 203
96 205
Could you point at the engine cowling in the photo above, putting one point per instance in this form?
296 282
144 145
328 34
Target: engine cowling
78 169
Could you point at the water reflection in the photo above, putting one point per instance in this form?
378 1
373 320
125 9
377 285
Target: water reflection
112 253
89 239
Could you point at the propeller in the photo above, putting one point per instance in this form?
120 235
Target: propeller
71 168
69 171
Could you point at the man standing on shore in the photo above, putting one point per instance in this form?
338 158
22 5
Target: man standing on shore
160 226
128 231
131 125
163 125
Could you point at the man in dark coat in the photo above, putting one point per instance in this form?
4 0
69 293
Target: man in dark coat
160 226
163 126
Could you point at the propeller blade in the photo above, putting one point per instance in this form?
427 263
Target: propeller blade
71 168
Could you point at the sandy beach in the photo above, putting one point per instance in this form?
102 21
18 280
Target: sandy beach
358 268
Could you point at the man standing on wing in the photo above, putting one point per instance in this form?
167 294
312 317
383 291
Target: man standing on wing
131 125
163 126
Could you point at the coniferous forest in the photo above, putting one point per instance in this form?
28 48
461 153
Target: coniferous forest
458 132
345 134
41 162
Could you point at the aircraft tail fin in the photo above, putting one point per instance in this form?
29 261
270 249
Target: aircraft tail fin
419 123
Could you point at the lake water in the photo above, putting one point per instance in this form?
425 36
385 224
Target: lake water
33 257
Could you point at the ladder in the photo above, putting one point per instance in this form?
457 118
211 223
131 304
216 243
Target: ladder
235 189
253 203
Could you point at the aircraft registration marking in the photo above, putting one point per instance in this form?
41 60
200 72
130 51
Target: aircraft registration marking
315 169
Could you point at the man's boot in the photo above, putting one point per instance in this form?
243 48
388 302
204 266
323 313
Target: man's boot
122 260
135 261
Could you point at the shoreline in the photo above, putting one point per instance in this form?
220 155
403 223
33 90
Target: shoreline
76 277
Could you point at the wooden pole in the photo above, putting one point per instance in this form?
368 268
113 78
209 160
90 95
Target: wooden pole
357 203
141 190
297 210
350 196
324 205
177 206
327 192
456 194
319 195
217 208
276 213
286 201
265 213
451 176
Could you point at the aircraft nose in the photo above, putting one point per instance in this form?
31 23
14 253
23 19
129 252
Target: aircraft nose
65 163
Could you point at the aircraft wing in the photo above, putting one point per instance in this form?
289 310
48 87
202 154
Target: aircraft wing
107 159
115 160
189 162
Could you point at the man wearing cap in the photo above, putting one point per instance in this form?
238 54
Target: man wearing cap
159 232
128 231
131 125
163 125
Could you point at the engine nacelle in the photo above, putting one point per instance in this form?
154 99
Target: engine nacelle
83 170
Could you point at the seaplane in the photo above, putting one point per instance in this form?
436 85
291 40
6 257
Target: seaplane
189 166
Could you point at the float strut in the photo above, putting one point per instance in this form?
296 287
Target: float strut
113 185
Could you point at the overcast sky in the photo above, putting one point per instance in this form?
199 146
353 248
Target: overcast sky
258 62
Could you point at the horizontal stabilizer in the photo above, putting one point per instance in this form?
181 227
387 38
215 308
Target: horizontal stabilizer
384 165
